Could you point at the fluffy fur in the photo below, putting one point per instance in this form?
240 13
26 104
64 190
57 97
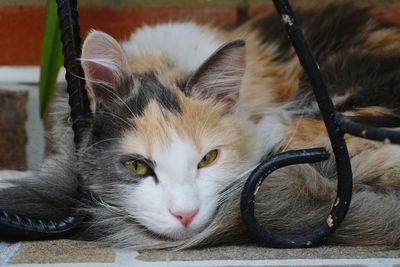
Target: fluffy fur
173 92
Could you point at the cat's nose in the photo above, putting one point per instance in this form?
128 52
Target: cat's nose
185 217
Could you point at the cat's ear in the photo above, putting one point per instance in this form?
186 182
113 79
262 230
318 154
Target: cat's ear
105 66
220 76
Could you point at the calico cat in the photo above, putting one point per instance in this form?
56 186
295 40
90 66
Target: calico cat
183 112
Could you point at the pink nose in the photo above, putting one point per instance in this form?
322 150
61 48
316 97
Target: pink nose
185 217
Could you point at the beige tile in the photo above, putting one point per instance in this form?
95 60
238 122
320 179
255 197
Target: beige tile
62 251
261 253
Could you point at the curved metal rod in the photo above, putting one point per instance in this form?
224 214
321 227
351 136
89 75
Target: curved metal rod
251 188
23 227
349 125
339 148
375 121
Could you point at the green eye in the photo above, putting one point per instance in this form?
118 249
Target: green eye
138 167
209 158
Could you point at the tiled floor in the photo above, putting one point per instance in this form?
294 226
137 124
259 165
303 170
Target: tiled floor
78 254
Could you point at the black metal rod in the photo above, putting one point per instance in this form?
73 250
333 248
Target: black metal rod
349 125
22 227
375 121
70 36
250 190
339 148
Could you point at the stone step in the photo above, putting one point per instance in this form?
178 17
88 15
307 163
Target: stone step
21 130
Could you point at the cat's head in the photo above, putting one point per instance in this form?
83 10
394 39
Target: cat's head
161 155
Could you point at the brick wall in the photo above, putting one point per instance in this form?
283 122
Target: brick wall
21 20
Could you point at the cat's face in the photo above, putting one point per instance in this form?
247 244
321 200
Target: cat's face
162 156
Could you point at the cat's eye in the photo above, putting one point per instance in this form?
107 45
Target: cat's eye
139 167
208 159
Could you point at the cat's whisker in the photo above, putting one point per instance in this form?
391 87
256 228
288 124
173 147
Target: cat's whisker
99 142
121 102
127 123
107 87
238 182
202 131
295 130
116 210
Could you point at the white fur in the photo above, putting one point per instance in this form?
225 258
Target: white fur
187 45
270 129
182 187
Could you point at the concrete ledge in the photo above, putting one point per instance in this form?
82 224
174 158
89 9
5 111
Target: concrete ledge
79 253
62 251
261 253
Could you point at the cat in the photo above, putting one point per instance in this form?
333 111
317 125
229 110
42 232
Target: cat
182 113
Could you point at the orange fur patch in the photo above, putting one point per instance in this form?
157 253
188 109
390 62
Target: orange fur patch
147 62
384 41
372 111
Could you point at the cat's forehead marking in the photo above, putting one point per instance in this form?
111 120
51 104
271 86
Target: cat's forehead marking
153 130
150 129
197 121
147 89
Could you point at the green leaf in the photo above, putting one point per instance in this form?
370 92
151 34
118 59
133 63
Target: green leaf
51 55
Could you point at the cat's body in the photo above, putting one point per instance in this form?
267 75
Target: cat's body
172 99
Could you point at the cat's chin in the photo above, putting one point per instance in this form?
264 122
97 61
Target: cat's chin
182 235
177 233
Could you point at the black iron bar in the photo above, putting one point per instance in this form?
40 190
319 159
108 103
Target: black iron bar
351 126
375 121
254 182
18 227
70 36
339 148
